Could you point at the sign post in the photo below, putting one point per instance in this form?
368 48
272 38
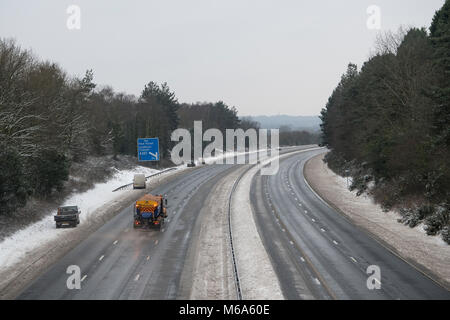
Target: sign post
148 149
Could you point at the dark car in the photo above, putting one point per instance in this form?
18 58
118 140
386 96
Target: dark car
68 216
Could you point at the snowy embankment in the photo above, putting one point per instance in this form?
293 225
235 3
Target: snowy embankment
414 245
13 248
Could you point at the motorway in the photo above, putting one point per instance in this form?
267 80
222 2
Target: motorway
315 252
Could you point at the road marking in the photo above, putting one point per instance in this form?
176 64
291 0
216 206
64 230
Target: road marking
321 229
84 277
292 243
148 258
301 258
354 260
313 220
137 278
101 258
335 242
163 229
284 230
156 241
127 229
115 242
317 281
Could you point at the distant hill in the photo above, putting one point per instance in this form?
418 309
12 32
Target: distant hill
310 123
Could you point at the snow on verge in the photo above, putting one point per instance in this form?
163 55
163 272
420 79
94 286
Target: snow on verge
413 244
257 276
24 241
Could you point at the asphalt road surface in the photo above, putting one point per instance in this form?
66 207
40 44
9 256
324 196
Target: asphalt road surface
315 252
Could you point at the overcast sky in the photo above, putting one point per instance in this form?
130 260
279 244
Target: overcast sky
264 57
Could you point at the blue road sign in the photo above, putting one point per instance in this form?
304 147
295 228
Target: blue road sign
148 149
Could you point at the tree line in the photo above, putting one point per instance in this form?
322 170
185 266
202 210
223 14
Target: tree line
388 124
49 120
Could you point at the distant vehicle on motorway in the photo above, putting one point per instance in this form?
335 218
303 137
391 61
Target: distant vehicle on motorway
68 216
190 163
139 181
150 210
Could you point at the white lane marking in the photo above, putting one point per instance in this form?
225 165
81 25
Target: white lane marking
156 241
284 230
335 242
322 229
354 260
313 220
292 243
148 258
301 258
306 211
137 278
163 229
101 258
320 198
84 277
115 242
317 281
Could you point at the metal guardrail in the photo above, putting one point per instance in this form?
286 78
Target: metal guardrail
146 178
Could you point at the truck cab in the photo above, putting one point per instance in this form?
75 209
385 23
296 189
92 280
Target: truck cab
150 211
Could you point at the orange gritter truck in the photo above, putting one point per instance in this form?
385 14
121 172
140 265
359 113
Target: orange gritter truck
150 211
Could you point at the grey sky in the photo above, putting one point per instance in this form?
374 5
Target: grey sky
264 57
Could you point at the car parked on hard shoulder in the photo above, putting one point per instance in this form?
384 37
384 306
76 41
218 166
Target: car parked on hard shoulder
68 216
